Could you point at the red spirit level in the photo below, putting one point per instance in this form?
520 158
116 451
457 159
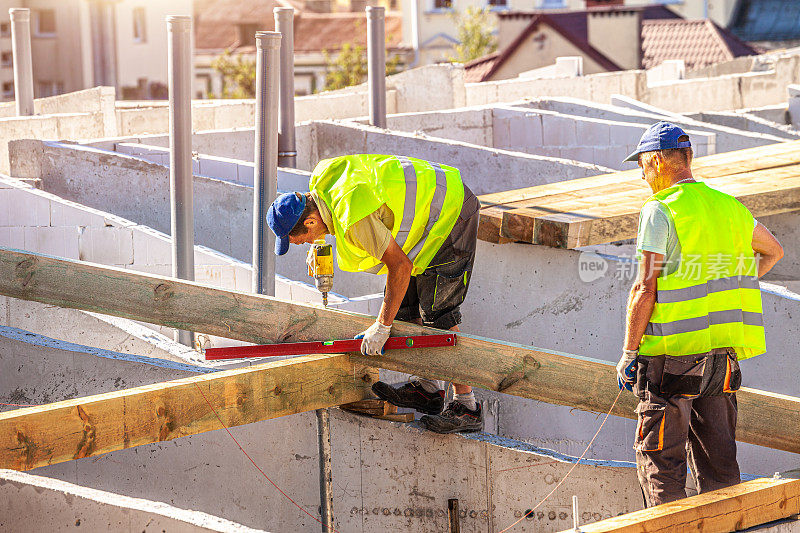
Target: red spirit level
342 346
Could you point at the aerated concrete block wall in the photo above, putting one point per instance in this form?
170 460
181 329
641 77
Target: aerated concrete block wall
603 142
747 122
484 170
223 168
630 111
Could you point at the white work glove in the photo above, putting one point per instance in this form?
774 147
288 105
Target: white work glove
626 369
374 338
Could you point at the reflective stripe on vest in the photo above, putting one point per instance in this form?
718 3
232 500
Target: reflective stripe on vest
707 304
410 202
700 323
714 285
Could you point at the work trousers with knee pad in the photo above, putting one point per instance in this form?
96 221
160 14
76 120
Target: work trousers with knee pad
686 415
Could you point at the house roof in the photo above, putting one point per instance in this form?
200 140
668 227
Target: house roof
665 35
767 20
218 23
476 70
699 43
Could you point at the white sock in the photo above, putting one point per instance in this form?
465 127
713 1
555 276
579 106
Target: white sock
467 400
430 385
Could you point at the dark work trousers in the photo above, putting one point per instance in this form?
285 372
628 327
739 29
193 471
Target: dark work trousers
686 414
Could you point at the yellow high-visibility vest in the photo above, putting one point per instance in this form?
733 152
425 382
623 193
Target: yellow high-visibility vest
713 299
425 198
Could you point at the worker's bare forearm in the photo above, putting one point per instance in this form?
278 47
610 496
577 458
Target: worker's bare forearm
640 308
766 262
396 285
767 249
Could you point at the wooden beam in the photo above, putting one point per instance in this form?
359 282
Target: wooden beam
93 425
731 509
764 418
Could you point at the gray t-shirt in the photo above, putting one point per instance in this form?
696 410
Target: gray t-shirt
657 234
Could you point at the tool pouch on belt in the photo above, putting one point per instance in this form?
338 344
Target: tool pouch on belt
682 376
710 374
452 281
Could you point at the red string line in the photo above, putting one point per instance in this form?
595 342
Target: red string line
20 404
254 463
526 515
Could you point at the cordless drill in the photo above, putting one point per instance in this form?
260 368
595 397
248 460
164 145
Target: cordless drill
320 267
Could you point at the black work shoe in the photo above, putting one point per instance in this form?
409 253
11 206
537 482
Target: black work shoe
411 395
456 418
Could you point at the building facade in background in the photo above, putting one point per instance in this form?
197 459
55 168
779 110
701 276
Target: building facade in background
78 44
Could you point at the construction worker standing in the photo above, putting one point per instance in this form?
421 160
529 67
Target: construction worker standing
694 312
416 222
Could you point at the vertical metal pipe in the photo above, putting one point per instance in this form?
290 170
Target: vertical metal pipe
180 154
575 518
287 151
453 523
23 63
376 64
325 469
268 44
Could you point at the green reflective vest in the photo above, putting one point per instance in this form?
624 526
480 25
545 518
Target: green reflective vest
713 299
425 198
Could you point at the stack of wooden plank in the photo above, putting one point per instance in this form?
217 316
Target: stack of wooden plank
605 208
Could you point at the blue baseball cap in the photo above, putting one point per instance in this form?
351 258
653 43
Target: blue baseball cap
282 216
660 136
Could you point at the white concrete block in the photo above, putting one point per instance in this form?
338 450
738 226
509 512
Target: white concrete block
580 153
16 238
5 201
71 214
217 168
558 131
245 175
592 133
27 209
108 245
60 242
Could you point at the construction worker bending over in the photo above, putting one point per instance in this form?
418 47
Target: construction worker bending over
694 312
416 222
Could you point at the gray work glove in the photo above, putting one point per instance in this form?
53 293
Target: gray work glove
374 338
626 369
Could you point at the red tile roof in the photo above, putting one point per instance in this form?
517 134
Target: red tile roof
217 25
699 43
475 70
664 36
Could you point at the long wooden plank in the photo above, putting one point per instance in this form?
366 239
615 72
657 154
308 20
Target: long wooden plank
734 508
93 425
766 419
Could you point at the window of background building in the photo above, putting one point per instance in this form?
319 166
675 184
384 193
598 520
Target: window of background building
5 29
8 89
139 25
498 3
6 59
442 4
44 23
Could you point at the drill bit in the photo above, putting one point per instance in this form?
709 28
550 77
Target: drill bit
325 299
